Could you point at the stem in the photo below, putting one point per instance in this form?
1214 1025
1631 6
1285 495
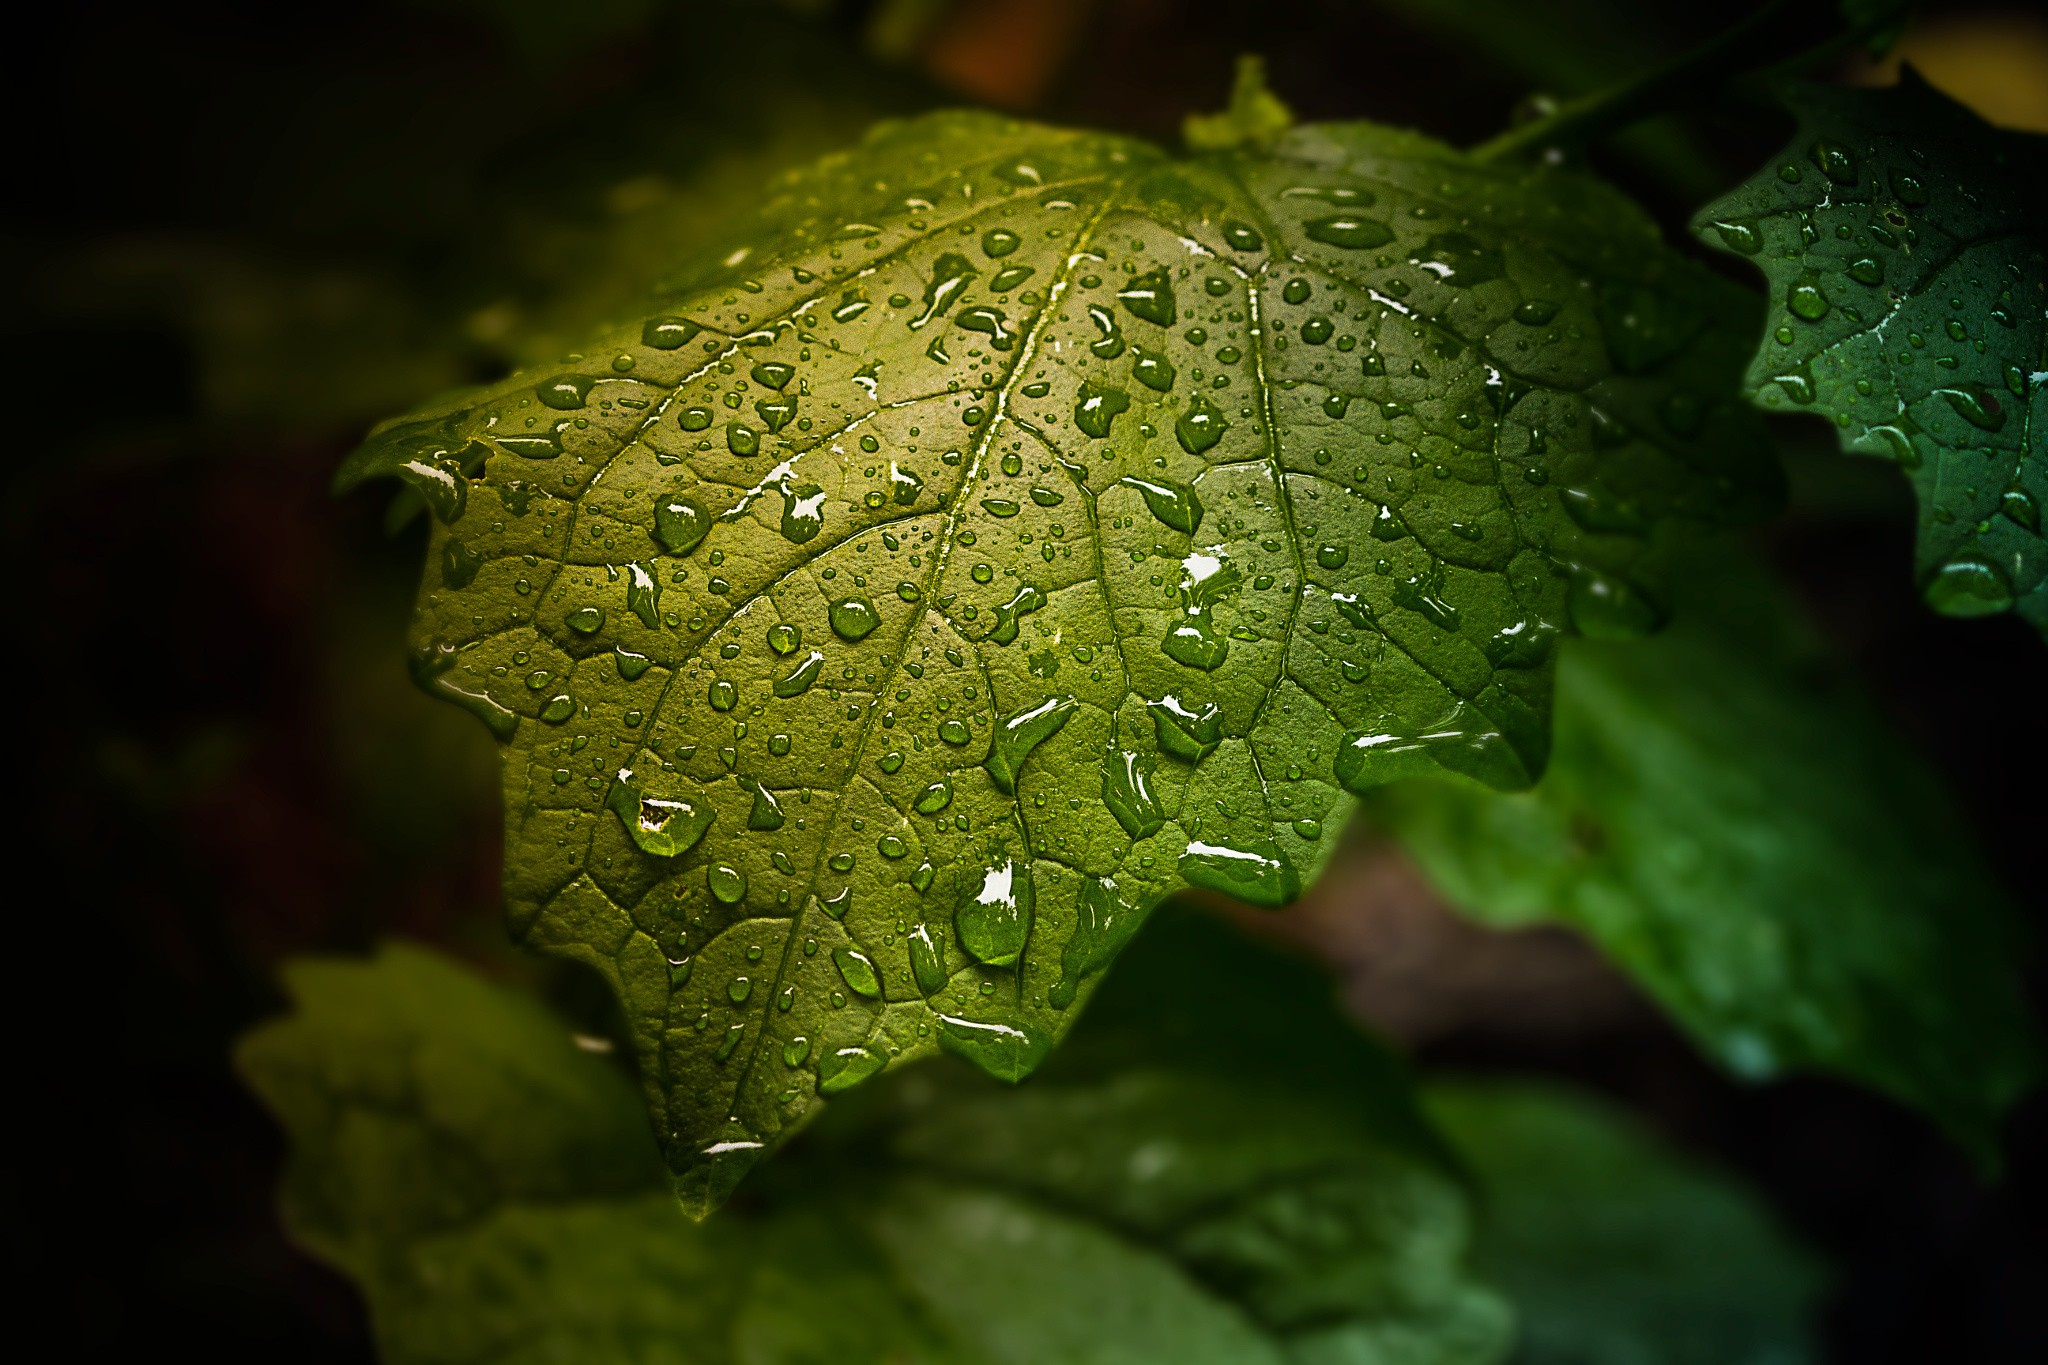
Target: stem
1835 48
1623 103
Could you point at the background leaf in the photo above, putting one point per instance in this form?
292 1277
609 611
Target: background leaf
1901 238
1024 526
1615 1249
493 1192
1729 818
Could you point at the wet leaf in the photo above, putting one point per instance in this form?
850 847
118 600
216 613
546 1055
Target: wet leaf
1730 819
1147 506
492 1190
1901 238
1617 1249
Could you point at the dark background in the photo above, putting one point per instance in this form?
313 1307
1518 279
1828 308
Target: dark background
240 237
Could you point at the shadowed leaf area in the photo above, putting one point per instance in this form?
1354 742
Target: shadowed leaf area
1731 819
1019 526
1901 237
1616 1251
494 1191
1175 1184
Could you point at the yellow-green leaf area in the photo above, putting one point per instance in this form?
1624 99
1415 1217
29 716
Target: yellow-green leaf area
1084 462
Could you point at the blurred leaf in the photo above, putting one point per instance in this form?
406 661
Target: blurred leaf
1730 820
1881 20
820 606
493 1191
1255 117
1616 1250
1901 238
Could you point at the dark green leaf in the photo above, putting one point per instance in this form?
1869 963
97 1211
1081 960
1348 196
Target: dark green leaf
493 1191
1616 1250
1143 506
1730 820
1902 240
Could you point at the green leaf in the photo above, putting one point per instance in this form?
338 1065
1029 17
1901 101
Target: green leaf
1255 117
493 1192
1617 1250
1027 525
1730 819
1901 238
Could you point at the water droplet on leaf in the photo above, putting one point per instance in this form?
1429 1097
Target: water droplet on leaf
853 618
994 921
1017 734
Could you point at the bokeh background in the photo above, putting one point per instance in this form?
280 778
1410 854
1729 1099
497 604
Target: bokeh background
240 237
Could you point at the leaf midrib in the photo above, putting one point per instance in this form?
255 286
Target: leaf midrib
934 574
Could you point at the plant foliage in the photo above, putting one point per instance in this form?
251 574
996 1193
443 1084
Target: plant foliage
1614 1250
1172 1185
1731 820
1902 240
1021 526
494 1191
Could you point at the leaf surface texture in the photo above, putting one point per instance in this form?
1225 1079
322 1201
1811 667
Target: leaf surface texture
1901 238
1021 526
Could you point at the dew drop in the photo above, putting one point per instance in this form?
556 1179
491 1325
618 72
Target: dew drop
1150 296
667 333
843 1068
1977 405
1027 599
680 524
1242 236
993 923
665 825
1259 876
1098 405
857 969
1017 734
950 274
1969 585
927 959
774 374
853 618
1153 370
1804 298
1200 427
1187 729
565 393
1174 504
1739 236
1349 232
1127 793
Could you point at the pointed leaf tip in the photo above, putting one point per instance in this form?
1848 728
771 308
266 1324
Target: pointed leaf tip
1255 117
